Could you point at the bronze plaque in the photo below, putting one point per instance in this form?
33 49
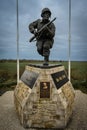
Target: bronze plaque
44 89
59 78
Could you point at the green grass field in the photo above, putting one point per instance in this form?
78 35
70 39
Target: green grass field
8 73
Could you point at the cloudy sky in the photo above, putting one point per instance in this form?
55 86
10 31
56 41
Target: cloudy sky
30 10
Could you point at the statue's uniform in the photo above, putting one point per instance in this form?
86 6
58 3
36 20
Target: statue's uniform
45 38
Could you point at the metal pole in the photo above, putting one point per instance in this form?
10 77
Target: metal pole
69 62
17 43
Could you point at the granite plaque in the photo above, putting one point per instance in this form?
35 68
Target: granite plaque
29 78
59 78
44 89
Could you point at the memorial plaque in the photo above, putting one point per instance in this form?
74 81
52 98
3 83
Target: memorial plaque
59 78
44 89
29 78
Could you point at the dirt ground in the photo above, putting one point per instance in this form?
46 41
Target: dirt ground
10 121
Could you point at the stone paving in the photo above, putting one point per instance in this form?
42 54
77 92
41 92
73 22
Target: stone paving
9 120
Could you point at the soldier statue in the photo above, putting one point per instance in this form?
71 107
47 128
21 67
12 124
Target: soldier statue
44 32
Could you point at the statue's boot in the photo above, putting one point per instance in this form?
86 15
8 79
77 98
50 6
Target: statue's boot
46 60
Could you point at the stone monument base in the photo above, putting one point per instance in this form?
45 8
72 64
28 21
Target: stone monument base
44 97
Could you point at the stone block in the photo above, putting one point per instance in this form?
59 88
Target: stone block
44 97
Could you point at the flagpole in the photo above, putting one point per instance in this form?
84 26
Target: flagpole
17 43
69 62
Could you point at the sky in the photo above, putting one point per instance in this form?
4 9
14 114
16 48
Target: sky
29 11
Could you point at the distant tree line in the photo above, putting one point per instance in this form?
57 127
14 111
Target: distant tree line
26 60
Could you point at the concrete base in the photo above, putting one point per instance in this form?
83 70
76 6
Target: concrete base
44 97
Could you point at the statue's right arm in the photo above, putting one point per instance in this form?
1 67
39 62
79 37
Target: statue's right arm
32 26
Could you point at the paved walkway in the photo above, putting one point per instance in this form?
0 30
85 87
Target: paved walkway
9 119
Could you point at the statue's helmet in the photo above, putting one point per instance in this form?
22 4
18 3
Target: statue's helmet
45 10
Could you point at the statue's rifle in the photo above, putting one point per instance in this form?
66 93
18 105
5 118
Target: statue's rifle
39 31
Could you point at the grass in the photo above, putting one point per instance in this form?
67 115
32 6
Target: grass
8 73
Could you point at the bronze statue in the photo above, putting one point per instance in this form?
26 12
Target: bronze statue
44 32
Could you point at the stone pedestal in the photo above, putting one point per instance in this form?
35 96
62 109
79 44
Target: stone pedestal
44 97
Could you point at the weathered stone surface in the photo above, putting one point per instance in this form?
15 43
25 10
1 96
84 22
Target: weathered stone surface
44 105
